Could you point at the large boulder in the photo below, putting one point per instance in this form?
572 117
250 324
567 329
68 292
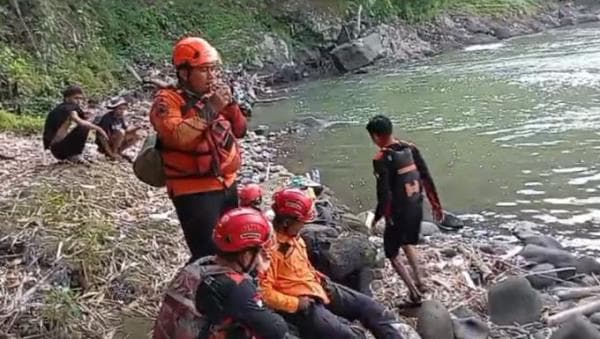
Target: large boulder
429 228
273 50
514 301
576 328
356 223
585 18
351 253
595 318
470 328
587 265
434 321
358 53
542 281
528 236
557 258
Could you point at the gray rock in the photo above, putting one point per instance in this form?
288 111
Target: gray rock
434 321
274 50
377 285
502 32
358 53
595 318
514 301
464 312
587 265
528 236
428 229
452 221
481 39
351 253
576 328
542 281
261 130
585 18
470 328
568 21
356 223
449 252
558 258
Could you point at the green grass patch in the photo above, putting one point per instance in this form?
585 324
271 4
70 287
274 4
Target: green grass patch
21 124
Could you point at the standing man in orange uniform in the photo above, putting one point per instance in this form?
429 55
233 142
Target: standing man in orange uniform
197 124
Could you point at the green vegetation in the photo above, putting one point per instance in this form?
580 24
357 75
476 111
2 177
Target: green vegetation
418 10
45 45
22 124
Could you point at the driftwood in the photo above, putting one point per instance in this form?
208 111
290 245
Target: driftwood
585 309
476 261
566 293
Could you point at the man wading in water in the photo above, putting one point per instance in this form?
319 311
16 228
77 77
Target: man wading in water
63 142
197 124
401 174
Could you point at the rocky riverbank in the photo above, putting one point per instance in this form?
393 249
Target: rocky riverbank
82 248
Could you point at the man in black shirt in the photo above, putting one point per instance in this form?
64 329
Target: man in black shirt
66 143
120 136
402 178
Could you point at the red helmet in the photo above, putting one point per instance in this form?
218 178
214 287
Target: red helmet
241 229
292 202
250 195
194 52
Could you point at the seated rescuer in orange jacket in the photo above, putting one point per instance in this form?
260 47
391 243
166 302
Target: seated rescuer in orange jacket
306 298
197 124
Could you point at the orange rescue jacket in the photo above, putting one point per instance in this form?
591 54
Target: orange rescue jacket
290 276
190 144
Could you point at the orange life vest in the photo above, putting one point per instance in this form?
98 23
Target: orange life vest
216 155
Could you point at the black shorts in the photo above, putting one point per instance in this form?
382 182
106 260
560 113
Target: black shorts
400 231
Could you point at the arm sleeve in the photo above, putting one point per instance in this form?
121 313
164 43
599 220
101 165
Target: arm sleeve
245 307
428 183
172 129
236 118
383 187
275 299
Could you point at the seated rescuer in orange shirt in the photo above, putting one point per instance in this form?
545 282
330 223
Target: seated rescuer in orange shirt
305 297
197 124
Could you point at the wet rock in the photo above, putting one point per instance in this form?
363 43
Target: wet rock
470 328
261 129
464 312
576 328
356 223
568 21
514 301
502 32
585 18
452 221
429 229
595 318
449 252
528 236
557 258
587 265
542 281
481 39
358 53
434 321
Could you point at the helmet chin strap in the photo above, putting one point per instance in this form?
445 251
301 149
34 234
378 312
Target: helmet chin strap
248 268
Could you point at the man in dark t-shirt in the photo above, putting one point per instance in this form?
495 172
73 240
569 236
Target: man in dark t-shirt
120 136
64 142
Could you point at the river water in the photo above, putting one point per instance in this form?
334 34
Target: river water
509 130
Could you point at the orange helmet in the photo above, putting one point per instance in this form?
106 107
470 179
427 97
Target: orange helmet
193 52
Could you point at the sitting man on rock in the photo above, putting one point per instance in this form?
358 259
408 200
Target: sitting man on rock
64 142
120 136
215 297
307 299
401 174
